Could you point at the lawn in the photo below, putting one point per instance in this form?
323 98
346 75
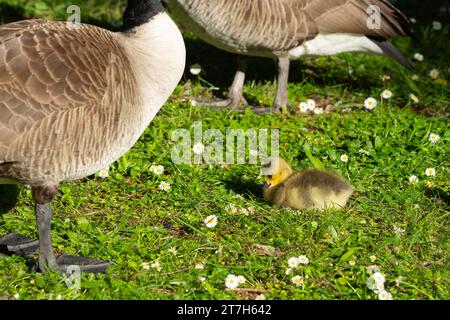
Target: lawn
398 226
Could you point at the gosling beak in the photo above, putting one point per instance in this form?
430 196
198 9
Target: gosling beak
266 185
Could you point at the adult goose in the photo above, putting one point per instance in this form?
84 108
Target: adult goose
75 98
290 29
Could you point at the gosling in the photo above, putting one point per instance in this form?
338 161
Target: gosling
304 189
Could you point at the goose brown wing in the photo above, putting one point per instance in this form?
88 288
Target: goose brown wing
46 71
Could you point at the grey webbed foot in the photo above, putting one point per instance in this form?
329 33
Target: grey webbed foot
15 243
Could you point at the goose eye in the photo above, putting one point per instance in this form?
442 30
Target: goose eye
270 176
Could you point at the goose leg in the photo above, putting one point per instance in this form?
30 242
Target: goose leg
281 100
235 94
19 244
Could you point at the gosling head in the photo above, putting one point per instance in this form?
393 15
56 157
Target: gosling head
275 172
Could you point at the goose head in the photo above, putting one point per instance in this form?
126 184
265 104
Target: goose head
275 171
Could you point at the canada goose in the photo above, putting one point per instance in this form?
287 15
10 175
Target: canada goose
73 99
304 189
290 29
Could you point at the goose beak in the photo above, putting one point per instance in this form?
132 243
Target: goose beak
266 185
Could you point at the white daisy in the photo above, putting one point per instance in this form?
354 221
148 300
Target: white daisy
231 281
158 170
430 172
352 262
152 168
413 179
293 262
429 184
200 265
303 107
378 277
437 25
260 297
156 265
104 173
418 57
434 73
414 77
199 148
379 286
370 103
311 104
145 265
434 138
241 279
172 250
193 103
414 98
303 260
372 269
164 186
318 110
232 208
288 271
386 94
297 281
344 158
373 258
385 77
195 69
371 283
211 221
17 296
59 297
201 279
399 231
365 152
384 295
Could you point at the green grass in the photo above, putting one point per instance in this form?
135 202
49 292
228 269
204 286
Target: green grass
126 219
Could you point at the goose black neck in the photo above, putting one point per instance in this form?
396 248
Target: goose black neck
139 12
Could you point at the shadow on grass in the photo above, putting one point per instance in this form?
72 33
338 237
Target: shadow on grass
249 189
8 197
438 193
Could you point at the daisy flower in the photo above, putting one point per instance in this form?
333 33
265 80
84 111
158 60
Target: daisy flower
437 25
414 98
288 271
152 168
344 158
199 148
352 262
434 138
429 184
318 110
260 297
231 208
370 103
303 107
211 221
293 262
297 281
303 260
399 231
158 170
373 258
231 281
199 265
195 69
413 179
193 103
379 286
241 279
384 295
365 152
434 73
418 57
17 296
385 77
201 279
59 297
156 265
386 94
378 277
145 265
414 77
372 269
172 250
104 173
164 186
430 172
311 104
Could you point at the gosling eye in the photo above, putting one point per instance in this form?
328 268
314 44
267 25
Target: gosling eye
269 176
